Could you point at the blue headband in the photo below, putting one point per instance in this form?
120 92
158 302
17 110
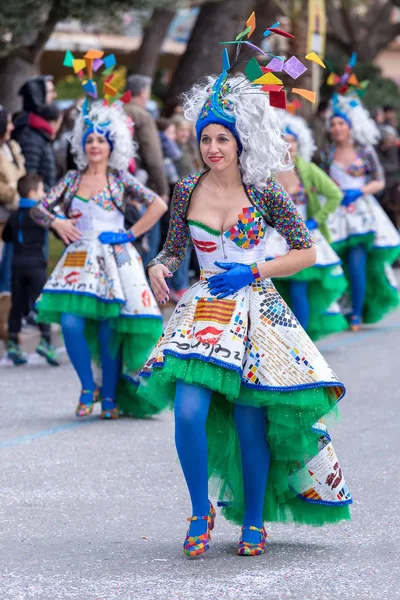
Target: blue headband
289 131
341 115
98 130
213 112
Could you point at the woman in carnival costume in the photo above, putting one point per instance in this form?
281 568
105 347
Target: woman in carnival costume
247 384
98 290
312 293
362 234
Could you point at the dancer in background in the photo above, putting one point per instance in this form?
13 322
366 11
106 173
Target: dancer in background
362 234
247 384
98 290
312 293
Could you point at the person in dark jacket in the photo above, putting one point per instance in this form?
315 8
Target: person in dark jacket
28 268
35 133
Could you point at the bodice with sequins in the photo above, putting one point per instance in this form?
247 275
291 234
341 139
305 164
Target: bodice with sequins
244 242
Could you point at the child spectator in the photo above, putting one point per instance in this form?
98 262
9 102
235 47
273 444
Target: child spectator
28 268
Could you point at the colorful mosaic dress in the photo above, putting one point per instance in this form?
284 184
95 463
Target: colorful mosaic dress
100 281
365 222
326 279
250 349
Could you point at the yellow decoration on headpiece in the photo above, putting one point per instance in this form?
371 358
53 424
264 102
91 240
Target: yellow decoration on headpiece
310 96
251 22
331 79
313 56
79 64
267 79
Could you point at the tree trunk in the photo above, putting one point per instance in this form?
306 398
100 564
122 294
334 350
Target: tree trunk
217 21
14 71
298 46
154 33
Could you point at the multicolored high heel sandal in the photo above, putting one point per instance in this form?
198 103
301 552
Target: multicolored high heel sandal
247 549
198 544
109 413
355 323
84 409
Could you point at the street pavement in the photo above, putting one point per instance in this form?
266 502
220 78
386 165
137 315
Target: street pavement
94 510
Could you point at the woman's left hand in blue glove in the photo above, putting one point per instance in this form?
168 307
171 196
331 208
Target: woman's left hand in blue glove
351 196
113 237
311 224
235 277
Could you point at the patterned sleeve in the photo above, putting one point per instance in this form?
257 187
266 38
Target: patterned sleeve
282 215
178 237
43 212
375 169
137 190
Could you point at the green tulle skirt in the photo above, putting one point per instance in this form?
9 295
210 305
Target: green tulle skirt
382 295
289 430
133 338
324 287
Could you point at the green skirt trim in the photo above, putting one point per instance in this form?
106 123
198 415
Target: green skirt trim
323 289
381 297
134 338
342 247
290 417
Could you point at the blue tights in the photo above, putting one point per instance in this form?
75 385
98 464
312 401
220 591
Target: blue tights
73 329
192 404
299 301
357 265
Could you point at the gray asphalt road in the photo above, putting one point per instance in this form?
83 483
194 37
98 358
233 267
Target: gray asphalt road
96 511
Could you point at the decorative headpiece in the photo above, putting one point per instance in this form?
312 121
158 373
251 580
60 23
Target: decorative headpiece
103 116
298 128
218 108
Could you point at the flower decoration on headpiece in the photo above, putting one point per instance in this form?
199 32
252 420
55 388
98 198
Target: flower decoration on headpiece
104 115
218 108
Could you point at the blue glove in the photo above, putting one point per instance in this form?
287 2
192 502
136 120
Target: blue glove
311 224
111 237
235 277
351 196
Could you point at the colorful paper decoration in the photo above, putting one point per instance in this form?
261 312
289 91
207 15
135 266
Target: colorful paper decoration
294 67
253 70
127 97
270 87
268 78
251 22
108 71
109 90
90 88
313 56
268 32
78 65
109 61
280 32
278 99
89 67
353 80
97 62
94 54
225 60
310 96
243 34
276 64
68 59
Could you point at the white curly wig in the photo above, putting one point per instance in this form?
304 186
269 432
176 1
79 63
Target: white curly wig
120 133
364 130
257 124
305 139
